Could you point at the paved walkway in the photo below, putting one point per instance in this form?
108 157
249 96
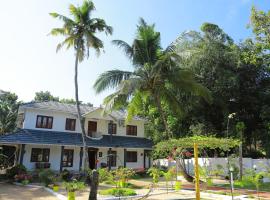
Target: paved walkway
14 192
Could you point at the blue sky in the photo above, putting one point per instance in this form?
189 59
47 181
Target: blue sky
29 63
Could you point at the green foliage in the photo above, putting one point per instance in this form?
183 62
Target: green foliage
218 170
121 176
104 175
79 31
65 175
156 73
16 170
118 192
8 108
74 186
46 176
155 173
174 147
45 96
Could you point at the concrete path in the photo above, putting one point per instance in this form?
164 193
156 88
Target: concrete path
14 192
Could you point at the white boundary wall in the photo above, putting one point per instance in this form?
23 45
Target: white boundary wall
211 163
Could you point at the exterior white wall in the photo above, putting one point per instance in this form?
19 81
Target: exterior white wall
120 157
211 163
54 159
59 122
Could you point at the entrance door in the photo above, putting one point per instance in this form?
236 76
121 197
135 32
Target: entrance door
92 128
92 156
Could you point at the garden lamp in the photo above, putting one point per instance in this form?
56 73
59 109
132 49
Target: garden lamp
231 169
255 167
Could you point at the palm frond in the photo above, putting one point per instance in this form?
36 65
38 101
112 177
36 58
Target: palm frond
110 79
100 25
128 50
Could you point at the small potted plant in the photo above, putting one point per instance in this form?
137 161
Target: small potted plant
72 187
55 185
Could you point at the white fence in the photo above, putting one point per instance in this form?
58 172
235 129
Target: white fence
211 163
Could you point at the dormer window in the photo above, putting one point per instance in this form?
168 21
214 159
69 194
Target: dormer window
70 124
112 128
131 130
44 122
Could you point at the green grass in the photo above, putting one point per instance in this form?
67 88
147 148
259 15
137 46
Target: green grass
118 192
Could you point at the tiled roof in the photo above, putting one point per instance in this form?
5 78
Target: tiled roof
30 136
70 108
57 106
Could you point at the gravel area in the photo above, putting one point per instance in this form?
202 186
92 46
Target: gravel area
14 192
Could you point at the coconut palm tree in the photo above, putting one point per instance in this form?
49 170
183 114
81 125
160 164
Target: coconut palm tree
79 34
156 72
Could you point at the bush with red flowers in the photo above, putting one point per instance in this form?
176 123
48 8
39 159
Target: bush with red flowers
23 177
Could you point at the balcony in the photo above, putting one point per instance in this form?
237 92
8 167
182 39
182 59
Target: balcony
95 135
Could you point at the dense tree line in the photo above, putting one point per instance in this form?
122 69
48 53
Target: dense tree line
237 74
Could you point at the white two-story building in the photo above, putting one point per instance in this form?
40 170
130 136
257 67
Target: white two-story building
49 136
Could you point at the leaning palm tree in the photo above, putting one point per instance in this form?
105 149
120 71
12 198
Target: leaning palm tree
156 72
79 32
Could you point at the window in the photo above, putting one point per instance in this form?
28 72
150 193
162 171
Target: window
131 156
113 156
131 130
111 128
44 122
70 124
67 160
40 155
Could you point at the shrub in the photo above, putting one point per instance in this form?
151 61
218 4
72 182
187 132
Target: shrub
46 176
66 175
74 186
119 192
155 173
23 177
121 176
17 169
104 175
25 182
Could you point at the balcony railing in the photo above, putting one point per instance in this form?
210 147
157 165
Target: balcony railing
94 135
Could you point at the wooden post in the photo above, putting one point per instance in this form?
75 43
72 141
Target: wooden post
196 172
144 158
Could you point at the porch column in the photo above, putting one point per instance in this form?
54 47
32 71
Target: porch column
125 157
144 157
109 159
81 156
61 158
22 153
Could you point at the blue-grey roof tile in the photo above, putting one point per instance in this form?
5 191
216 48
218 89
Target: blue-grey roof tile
30 136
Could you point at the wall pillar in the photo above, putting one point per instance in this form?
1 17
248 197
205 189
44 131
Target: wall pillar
61 158
125 157
22 153
109 159
81 157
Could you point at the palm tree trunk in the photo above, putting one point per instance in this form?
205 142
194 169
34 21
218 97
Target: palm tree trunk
163 116
81 121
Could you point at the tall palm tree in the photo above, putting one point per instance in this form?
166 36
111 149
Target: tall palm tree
79 33
156 72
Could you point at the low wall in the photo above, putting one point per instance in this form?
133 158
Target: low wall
211 163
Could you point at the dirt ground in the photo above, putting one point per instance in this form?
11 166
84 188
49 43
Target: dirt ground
14 192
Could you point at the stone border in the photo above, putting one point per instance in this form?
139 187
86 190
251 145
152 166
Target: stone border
211 196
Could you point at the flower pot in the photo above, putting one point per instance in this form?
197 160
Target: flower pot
71 195
55 188
177 186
